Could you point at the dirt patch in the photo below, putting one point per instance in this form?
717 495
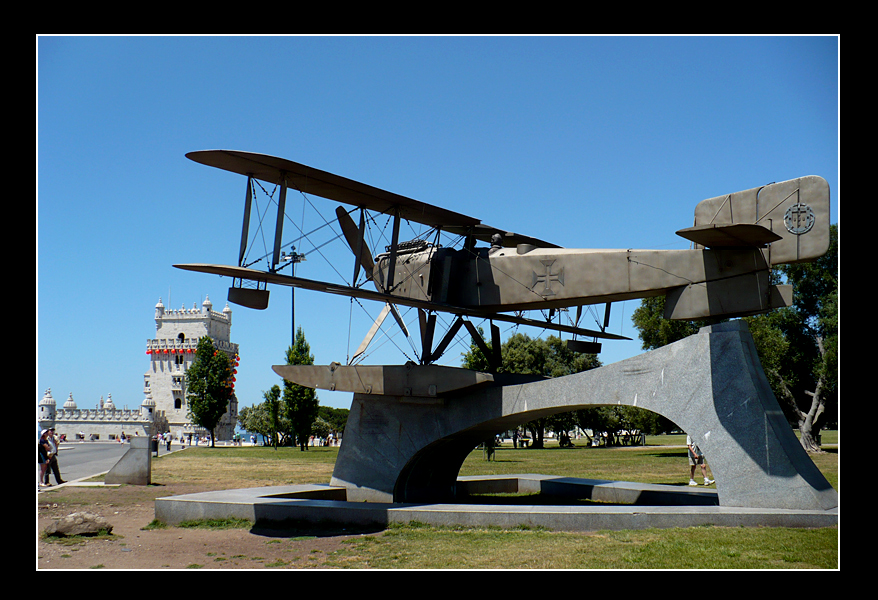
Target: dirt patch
130 509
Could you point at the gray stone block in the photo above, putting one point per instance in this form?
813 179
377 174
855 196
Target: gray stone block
135 466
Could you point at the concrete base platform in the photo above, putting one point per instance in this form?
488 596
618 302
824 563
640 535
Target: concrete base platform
637 506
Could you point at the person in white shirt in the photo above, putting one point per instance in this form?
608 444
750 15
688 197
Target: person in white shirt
52 467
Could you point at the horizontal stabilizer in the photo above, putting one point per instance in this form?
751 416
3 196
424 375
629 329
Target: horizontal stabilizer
730 235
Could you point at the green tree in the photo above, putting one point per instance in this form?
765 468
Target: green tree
798 345
208 385
321 428
272 412
536 356
655 331
267 419
474 359
301 402
256 419
611 421
248 419
336 417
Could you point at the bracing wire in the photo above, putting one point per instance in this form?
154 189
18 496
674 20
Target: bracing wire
372 226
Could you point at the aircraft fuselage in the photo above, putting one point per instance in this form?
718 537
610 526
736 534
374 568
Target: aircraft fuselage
527 278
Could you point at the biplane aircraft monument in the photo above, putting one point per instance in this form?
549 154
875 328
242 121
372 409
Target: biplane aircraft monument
412 425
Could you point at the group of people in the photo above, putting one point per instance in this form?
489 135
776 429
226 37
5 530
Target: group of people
47 457
164 438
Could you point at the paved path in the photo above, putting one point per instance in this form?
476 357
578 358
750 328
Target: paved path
78 461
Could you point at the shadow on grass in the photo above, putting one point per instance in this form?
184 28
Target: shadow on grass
674 455
294 528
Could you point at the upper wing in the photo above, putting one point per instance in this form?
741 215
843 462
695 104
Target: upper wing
327 185
341 189
485 233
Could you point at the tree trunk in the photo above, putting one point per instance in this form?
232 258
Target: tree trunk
806 425
536 431
806 421
809 441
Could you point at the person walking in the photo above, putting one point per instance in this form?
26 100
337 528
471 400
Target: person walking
42 457
696 457
53 443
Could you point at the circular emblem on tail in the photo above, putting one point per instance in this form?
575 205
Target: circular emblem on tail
799 218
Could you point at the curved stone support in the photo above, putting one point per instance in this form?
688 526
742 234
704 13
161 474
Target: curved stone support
410 449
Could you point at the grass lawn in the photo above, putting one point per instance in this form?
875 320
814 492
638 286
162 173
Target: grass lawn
417 546
414 546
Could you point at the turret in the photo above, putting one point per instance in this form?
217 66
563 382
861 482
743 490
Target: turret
47 410
147 410
159 313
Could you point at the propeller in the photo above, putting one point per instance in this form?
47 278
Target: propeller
355 237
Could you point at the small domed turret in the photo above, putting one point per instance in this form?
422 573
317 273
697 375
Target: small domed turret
47 398
47 410
147 407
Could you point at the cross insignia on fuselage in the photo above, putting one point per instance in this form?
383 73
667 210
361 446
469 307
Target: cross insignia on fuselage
547 279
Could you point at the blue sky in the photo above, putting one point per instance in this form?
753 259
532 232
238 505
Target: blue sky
590 142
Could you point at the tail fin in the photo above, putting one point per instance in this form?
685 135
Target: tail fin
792 217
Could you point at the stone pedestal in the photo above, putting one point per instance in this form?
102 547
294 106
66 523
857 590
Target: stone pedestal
410 448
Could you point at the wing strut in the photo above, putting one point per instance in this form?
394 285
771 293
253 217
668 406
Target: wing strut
279 224
428 327
449 335
492 354
256 298
394 245
245 226
388 308
371 334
